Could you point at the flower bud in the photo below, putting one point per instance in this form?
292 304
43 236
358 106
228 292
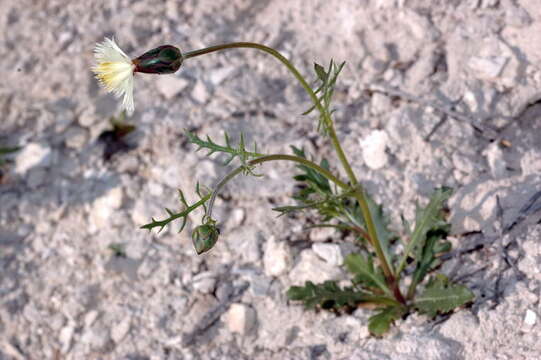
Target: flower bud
204 237
165 59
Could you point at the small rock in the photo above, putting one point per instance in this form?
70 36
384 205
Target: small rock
104 207
90 317
65 336
530 318
217 76
76 137
277 258
120 330
240 318
489 67
311 268
463 163
330 253
97 338
32 154
496 162
320 234
87 118
380 104
373 147
170 86
200 92
204 282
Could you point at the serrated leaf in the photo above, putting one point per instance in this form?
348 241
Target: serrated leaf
380 323
441 296
428 219
365 273
327 295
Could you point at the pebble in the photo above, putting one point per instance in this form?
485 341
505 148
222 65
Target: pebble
310 267
217 76
320 234
200 92
31 155
120 330
241 319
330 253
75 137
204 282
65 337
87 118
277 257
496 162
105 206
373 148
489 67
530 318
169 85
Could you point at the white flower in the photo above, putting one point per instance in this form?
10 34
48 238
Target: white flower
114 70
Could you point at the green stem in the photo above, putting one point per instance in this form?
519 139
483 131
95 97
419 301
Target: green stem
359 192
267 158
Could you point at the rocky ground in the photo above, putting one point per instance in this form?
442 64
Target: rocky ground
433 93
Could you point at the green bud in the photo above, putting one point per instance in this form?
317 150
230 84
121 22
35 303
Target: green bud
204 237
165 59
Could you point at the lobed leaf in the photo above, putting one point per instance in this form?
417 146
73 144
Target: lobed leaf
380 323
441 296
427 219
365 273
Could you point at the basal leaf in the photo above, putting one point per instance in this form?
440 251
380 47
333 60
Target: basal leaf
365 273
380 323
441 296
428 219
327 295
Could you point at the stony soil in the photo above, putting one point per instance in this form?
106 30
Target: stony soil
433 93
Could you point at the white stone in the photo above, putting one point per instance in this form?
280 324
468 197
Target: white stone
87 118
530 318
277 258
32 154
380 104
120 330
169 85
90 317
489 67
311 268
240 318
104 207
204 282
65 336
496 162
373 147
330 253
200 92
320 234
75 137
217 76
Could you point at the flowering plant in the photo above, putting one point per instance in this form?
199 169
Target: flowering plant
382 268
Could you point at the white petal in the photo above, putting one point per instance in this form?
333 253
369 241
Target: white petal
108 51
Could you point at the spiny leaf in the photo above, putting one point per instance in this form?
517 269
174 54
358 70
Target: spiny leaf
428 219
441 296
365 273
380 323
212 147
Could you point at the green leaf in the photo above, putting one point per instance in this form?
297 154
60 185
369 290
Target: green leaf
320 71
365 273
434 245
380 323
327 295
441 296
427 219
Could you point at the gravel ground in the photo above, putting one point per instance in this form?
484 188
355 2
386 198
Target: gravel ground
433 93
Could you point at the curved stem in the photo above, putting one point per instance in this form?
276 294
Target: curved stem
359 192
267 158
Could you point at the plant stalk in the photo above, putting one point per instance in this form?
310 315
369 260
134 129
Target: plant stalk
359 192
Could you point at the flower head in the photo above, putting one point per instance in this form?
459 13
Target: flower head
114 70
